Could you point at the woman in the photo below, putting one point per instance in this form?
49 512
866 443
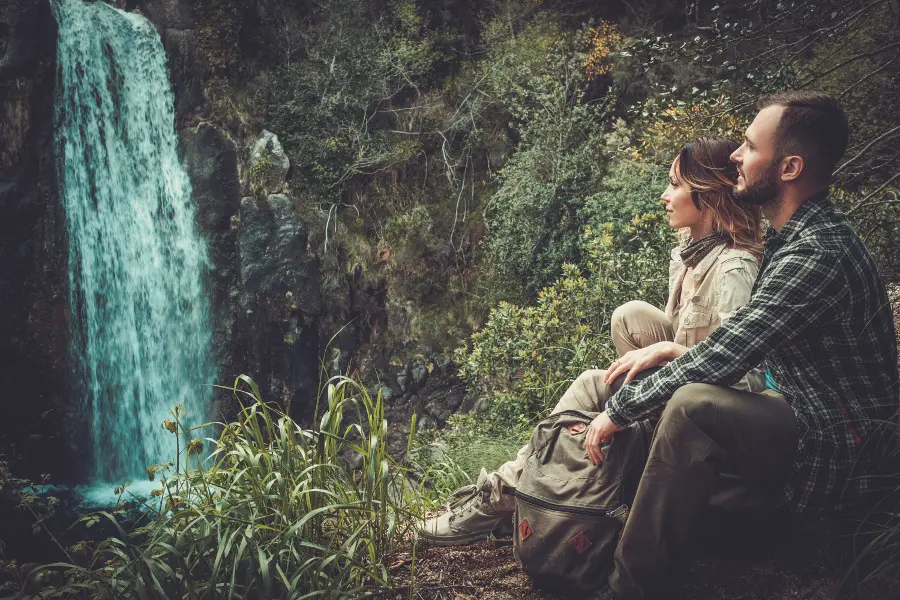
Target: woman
710 277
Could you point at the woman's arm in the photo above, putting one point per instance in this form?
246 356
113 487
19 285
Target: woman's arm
635 361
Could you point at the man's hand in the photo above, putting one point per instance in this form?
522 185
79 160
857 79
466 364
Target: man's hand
635 361
600 431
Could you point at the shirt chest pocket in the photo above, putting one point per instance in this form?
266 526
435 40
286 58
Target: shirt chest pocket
695 324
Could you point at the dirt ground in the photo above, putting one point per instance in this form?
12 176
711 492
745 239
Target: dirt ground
796 566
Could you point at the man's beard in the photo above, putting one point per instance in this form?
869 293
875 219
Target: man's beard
763 192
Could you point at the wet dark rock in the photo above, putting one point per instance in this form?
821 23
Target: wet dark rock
210 159
187 82
176 14
177 24
24 32
33 277
280 302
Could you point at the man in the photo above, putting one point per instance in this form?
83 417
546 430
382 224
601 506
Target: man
820 319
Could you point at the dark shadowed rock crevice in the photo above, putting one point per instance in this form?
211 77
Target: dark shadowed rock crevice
34 347
427 388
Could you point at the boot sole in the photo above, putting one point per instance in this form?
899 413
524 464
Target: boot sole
455 540
459 539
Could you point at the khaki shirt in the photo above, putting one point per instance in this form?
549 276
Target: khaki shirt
713 290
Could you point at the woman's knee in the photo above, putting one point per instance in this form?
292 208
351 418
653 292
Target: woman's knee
588 392
630 309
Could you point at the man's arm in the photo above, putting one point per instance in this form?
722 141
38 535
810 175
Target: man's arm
798 291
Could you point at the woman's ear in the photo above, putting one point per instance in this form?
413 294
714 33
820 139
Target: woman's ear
791 167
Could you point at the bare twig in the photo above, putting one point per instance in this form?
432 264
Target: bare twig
863 202
866 148
848 61
867 75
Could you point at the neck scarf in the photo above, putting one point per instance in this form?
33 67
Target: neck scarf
694 252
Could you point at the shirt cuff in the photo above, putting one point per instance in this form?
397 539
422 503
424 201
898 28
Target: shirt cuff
614 415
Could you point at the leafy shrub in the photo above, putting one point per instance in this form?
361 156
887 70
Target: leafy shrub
341 70
525 357
669 127
534 218
629 188
278 514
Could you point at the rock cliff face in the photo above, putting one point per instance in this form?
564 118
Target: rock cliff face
279 301
177 28
33 280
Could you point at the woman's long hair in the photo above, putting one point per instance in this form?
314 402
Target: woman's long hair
705 166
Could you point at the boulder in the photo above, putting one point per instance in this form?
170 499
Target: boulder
280 302
269 164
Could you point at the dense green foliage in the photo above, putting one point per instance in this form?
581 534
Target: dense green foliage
478 163
277 514
525 357
450 152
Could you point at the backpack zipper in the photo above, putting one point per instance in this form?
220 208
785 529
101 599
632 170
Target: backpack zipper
575 510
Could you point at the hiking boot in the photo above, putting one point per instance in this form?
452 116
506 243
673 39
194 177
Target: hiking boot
472 516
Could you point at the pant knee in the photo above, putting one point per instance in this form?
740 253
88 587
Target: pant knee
588 378
629 309
694 402
683 433
588 392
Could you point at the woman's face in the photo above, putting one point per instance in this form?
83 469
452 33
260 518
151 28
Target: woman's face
679 206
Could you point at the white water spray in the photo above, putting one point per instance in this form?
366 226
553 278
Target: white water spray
137 264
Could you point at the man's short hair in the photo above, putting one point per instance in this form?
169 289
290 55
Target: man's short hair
813 126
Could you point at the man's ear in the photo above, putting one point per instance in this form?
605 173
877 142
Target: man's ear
791 167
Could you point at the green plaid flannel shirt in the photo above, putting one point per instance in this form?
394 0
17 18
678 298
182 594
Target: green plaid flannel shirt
819 316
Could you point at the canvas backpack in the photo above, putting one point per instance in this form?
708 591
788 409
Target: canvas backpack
569 512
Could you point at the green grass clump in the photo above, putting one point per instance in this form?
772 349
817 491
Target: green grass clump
277 514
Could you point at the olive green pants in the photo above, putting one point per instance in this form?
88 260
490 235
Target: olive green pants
703 430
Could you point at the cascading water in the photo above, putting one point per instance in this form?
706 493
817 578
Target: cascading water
137 263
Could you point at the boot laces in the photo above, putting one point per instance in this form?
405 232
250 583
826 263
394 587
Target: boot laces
469 497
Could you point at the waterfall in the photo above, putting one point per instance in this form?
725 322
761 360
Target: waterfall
137 264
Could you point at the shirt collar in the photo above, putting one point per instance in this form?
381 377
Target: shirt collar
708 260
806 212
704 265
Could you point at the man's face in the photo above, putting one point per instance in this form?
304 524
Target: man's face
758 176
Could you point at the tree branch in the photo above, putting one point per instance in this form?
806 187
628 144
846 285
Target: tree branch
862 202
866 148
